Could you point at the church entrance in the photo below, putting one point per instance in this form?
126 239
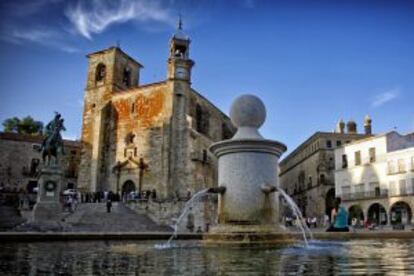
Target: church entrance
128 187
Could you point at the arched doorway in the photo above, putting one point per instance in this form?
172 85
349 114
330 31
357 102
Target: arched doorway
401 213
128 187
329 201
377 214
355 211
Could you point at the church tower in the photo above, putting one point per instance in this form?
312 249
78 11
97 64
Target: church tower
179 62
110 71
179 81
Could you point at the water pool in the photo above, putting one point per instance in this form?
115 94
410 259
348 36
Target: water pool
392 257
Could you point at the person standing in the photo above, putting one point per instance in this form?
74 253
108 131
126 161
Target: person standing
190 221
108 206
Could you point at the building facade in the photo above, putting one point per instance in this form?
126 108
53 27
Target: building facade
21 161
375 178
146 137
307 173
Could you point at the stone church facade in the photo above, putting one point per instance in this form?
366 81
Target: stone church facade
145 137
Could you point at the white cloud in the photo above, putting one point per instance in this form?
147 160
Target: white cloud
95 16
385 97
40 35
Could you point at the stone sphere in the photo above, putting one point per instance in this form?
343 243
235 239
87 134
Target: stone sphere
248 111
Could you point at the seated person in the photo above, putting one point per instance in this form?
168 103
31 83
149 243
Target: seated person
339 218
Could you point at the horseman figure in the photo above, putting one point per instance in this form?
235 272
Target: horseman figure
53 143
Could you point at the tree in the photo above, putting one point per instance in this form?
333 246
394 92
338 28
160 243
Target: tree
26 125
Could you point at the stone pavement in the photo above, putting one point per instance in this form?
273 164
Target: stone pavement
93 217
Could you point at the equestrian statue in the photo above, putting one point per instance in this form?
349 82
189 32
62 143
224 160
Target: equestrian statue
52 144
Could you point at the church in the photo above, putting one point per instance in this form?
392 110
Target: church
147 137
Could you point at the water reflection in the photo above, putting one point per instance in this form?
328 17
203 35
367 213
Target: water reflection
189 258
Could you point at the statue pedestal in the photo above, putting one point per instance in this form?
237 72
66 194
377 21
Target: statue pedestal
48 207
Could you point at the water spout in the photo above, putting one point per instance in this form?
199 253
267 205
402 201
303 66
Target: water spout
186 208
217 190
296 211
267 189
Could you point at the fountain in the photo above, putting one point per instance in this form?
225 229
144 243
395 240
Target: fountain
248 205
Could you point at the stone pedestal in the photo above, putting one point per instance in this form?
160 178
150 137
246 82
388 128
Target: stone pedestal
248 172
48 207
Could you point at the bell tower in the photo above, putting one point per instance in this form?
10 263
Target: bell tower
179 62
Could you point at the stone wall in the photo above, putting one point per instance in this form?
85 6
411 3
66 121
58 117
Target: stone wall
167 212
19 156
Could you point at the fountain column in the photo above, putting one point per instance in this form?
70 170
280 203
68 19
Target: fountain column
247 173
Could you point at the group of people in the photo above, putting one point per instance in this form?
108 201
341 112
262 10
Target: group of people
136 195
98 197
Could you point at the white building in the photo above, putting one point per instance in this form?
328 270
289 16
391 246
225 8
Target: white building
375 178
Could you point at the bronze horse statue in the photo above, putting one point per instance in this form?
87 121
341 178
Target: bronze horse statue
53 144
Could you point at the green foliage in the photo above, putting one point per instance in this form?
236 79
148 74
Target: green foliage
26 125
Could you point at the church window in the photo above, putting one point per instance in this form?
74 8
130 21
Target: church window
226 132
202 120
129 138
126 79
180 51
100 73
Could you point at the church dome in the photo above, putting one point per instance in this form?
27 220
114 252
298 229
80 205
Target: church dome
179 34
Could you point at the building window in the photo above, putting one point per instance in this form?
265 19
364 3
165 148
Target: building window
412 185
391 167
33 166
401 165
357 158
329 144
125 152
133 108
392 188
204 156
126 79
135 152
36 147
403 187
338 143
344 161
322 179
100 73
359 190
372 157
346 190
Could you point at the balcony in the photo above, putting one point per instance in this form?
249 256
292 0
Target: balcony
365 195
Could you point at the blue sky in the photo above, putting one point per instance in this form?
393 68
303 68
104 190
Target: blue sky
312 62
